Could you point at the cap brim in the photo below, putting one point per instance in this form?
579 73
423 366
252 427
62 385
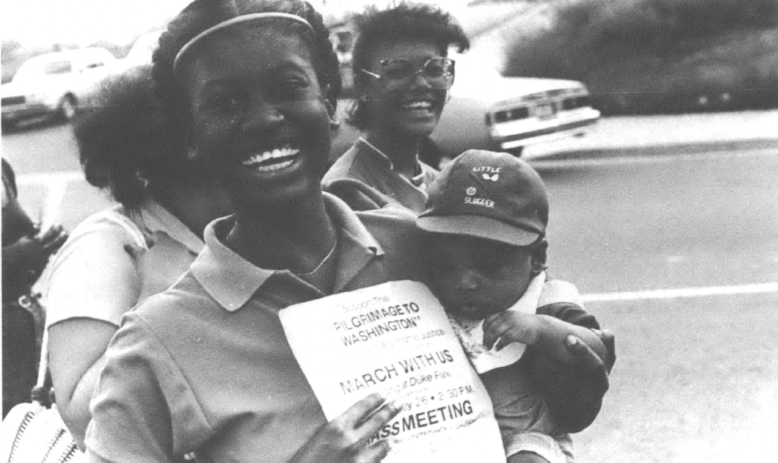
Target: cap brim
479 227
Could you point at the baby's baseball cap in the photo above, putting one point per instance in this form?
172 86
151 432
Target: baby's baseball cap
488 195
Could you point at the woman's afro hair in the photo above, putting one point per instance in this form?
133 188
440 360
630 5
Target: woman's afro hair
122 141
402 21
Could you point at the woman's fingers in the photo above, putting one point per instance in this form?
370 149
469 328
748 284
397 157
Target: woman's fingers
380 417
344 439
358 412
607 338
589 364
53 238
374 452
366 417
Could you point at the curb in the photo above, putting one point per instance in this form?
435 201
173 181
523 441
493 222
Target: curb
667 149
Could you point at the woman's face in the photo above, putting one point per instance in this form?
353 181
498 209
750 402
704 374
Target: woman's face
257 114
413 108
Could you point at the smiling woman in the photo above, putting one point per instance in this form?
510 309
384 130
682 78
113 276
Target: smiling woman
205 366
402 75
253 86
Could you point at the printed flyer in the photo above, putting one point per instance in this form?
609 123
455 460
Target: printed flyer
395 339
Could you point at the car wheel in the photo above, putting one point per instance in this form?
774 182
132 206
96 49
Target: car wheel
67 107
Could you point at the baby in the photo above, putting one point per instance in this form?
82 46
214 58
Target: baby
487 214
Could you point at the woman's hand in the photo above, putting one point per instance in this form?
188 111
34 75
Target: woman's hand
344 439
26 258
574 393
551 336
51 239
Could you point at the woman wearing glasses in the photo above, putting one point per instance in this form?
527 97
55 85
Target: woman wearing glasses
402 75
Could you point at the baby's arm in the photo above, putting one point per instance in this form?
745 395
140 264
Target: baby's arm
575 385
547 334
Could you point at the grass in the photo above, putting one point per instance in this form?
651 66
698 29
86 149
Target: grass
696 381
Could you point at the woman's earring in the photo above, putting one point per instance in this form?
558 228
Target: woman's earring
143 180
334 123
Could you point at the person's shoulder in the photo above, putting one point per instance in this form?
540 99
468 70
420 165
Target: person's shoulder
168 309
101 237
358 195
395 217
106 219
395 228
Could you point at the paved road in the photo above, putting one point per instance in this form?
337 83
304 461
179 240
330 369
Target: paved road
675 247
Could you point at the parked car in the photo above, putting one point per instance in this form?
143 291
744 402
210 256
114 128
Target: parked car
489 111
53 84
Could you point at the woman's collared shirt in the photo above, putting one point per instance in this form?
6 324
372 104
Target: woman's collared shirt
103 271
372 168
206 365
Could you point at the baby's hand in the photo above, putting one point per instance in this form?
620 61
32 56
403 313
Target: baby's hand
511 326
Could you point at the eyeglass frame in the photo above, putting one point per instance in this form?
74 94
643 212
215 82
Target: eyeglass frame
420 70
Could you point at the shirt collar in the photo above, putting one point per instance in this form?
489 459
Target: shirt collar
232 280
417 180
158 219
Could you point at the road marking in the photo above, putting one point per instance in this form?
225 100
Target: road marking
47 178
676 293
618 160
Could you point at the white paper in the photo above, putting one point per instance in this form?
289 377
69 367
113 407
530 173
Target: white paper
395 339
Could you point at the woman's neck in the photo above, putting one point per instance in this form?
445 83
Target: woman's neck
293 236
195 205
402 150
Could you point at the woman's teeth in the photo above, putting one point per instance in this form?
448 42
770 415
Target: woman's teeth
418 105
272 160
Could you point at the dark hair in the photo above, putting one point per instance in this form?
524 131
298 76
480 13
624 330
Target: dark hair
123 144
403 21
204 14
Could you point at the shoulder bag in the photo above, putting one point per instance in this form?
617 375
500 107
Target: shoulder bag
34 432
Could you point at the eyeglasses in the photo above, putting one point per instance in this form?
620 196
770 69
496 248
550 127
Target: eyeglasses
395 73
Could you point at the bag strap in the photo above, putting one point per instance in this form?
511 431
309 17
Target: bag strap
40 392
43 366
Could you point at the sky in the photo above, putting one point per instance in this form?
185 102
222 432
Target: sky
83 22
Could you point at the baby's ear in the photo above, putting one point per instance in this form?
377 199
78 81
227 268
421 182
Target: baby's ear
539 256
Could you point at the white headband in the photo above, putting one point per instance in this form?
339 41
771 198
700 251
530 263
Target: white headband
237 20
